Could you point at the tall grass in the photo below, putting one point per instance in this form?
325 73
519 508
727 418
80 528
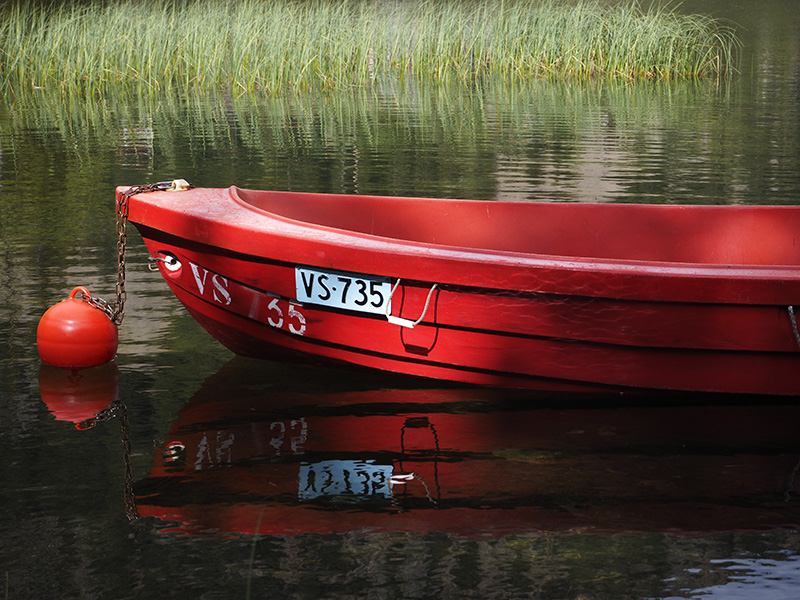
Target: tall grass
275 45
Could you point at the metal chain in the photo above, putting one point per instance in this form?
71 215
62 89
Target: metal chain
122 243
116 311
794 324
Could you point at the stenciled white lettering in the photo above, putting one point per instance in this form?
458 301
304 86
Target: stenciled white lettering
201 283
219 291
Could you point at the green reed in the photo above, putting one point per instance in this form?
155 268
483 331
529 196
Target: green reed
277 45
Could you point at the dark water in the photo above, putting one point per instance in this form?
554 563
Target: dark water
209 476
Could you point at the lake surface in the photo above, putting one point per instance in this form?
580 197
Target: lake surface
182 471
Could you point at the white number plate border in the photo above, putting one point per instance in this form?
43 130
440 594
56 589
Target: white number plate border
343 290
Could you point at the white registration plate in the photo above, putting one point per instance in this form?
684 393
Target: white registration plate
349 291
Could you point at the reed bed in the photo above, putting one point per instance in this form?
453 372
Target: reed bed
278 45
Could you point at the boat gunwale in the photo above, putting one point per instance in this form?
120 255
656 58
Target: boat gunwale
453 264
535 259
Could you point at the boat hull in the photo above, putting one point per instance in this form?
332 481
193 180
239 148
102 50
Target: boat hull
516 321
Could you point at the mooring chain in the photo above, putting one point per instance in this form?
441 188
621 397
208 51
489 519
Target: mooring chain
794 324
116 311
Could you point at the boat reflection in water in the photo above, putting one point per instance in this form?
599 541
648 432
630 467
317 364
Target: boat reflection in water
245 458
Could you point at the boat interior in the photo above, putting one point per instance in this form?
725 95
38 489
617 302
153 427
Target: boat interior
735 235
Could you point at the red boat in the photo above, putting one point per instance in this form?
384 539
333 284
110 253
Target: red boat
530 295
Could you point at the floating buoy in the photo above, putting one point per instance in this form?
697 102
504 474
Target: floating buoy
75 334
79 395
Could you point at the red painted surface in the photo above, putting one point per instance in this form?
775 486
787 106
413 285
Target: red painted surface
73 334
534 295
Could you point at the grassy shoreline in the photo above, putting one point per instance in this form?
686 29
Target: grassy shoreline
279 45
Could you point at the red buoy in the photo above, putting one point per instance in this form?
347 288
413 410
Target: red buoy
75 334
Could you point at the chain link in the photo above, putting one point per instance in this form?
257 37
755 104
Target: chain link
102 304
116 311
122 242
794 324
